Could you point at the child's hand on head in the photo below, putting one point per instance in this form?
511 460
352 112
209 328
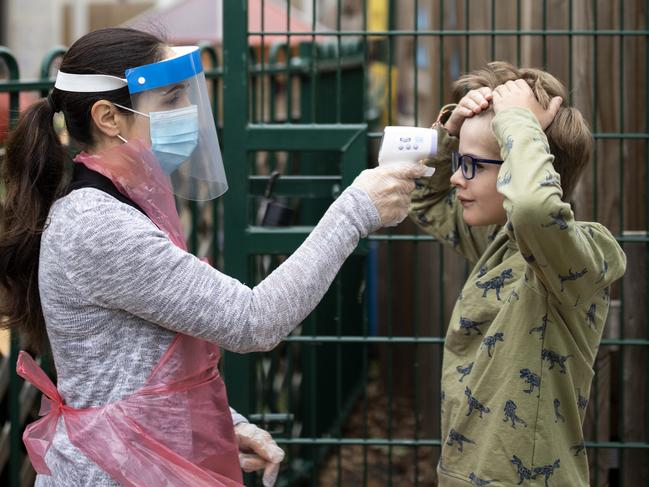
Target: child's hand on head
471 104
519 94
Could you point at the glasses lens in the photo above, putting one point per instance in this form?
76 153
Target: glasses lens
454 161
468 168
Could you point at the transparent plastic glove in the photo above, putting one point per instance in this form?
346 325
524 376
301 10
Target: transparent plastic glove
257 451
389 187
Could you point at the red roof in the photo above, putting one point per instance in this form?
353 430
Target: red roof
193 21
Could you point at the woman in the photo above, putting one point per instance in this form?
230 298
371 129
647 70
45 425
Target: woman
100 269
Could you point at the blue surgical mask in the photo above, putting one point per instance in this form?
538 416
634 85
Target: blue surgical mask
174 135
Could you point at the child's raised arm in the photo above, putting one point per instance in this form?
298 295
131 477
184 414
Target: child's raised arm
434 206
573 260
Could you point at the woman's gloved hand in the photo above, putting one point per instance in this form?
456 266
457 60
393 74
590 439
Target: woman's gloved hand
389 187
257 451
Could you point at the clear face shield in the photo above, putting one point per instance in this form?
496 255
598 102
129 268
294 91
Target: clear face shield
174 117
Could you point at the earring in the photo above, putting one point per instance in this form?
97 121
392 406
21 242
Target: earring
121 138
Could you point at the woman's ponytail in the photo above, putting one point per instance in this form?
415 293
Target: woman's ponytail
32 179
32 172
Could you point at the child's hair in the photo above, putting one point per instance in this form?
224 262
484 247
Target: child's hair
570 139
33 168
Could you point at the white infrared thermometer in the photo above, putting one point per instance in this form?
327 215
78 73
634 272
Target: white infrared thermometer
403 144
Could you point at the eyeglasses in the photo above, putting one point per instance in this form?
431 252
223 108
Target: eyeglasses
468 163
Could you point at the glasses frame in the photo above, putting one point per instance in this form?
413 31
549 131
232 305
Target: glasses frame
461 160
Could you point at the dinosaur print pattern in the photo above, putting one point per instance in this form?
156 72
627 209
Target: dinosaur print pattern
477 481
547 471
603 272
530 259
448 199
557 219
509 144
510 414
490 342
582 402
550 180
482 272
464 371
453 238
555 358
492 236
579 448
590 315
606 294
455 437
495 283
504 180
572 276
557 414
513 295
467 325
523 472
474 404
541 328
531 379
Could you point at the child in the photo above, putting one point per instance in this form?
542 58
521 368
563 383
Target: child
527 325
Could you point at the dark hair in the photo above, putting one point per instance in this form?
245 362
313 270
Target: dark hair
570 139
33 168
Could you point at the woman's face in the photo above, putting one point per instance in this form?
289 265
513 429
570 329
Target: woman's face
481 202
165 98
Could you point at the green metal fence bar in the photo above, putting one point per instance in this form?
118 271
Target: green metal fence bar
17 86
471 32
357 441
431 442
416 349
622 352
427 340
365 329
238 370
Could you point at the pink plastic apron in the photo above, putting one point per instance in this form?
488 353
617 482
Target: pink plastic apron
176 430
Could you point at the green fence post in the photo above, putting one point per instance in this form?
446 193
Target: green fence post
238 368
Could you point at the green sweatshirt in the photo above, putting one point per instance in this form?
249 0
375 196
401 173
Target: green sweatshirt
527 325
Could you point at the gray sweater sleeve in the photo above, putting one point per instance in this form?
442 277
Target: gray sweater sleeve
118 259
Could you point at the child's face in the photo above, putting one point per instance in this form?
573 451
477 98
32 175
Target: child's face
482 203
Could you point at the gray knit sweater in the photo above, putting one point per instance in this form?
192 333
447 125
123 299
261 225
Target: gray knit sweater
115 290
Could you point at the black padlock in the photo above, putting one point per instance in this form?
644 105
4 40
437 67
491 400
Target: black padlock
272 213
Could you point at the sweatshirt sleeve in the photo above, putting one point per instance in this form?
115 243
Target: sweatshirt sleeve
572 259
118 259
435 208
